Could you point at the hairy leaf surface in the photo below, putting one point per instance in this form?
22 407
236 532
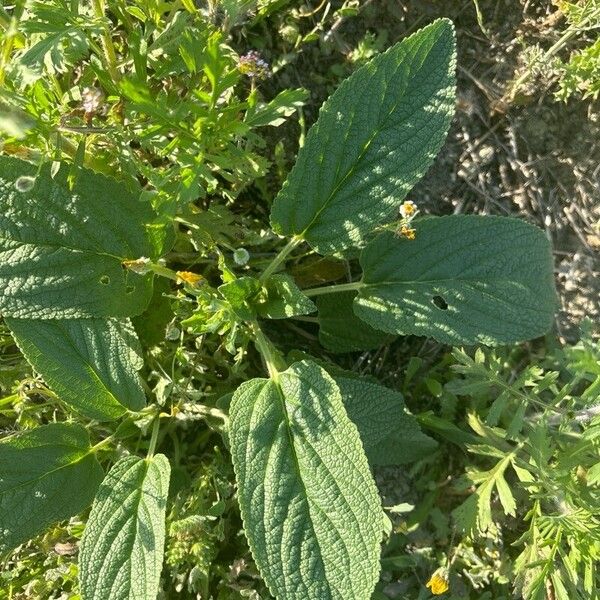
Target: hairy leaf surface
122 546
284 299
309 504
340 330
390 435
91 364
61 249
465 279
47 474
376 136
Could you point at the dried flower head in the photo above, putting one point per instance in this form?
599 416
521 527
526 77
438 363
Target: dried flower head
141 265
189 277
253 65
91 99
408 232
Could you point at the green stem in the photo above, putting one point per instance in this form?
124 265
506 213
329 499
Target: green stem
110 56
154 437
163 271
8 38
272 357
280 258
156 268
569 33
101 444
334 289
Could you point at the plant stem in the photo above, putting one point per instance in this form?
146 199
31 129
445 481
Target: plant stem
110 56
272 357
101 444
154 437
280 258
333 289
567 35
8 38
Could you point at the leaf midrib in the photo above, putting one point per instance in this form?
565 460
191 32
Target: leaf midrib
381 127
47 473
59 247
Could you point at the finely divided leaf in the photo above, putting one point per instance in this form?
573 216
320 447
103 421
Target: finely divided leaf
91 364
389 434
375 138
61 250
47 474
309 504
340 330
122 546
465 279
274 113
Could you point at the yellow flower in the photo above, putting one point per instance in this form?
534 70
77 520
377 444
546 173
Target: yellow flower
189 277
408 209
408 232
438 583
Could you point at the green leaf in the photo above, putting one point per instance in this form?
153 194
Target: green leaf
309 504
593 474
274 113
91 364
375 138
340 330
238 293
47 474
465 279
61 250
390 435
283 299
506 497
122 546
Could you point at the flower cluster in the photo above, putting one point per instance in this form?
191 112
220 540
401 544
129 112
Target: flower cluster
253 65
408 211
438 583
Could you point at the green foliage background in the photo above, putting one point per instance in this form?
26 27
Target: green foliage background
509 498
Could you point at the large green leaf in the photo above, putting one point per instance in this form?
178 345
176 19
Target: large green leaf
309 504
465 279
390 435
340 330
91 364
122 546
375 138
47 474
62 249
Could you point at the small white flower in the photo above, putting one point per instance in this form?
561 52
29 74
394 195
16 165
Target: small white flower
408 209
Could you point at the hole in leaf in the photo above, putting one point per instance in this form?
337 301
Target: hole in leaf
105 280
130 289
440 302
25 183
